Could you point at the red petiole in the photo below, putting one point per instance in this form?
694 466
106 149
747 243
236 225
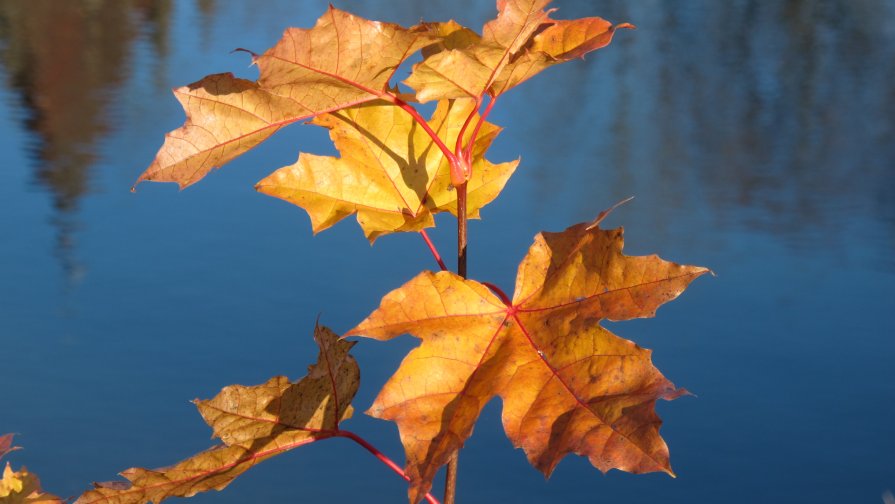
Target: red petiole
423 124
475 132
499 292
459 147
432 249
326 434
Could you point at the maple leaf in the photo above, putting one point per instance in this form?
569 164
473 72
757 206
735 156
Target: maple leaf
391 173
343 61
255 423
518 44
281 411
22 486
568 385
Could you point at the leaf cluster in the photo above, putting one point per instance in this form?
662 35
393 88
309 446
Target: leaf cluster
568 385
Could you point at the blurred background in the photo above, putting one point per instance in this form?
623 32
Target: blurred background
758 139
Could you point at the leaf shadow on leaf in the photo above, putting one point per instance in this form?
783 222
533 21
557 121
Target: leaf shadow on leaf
292 413
463 411
413 169
558 431
530 43
210 84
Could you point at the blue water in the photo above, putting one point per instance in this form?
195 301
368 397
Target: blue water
757 137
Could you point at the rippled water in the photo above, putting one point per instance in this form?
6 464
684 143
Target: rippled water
756 136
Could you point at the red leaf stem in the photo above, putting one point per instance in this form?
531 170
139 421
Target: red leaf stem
458 150
475 133
500 293
381 456
432 249
422 122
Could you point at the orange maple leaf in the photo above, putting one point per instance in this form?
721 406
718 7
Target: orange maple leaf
521 42
568 385
307 73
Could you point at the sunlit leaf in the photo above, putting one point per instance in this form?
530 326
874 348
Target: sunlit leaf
343 61
518 44
568 384
226 117
391 174
241 415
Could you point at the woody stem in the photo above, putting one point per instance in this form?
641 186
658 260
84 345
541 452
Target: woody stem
450 482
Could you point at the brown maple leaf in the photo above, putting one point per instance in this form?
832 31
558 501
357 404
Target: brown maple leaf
255 423
568 385
518 44
343 61
391 173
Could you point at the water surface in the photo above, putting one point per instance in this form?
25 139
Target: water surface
757 138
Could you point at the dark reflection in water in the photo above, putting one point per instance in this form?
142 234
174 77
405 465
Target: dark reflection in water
65 61
778 114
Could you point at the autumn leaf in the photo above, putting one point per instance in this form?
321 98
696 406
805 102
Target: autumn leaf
521 42
255 423
280 411
22 486
226 117
568 385
391 174
343 61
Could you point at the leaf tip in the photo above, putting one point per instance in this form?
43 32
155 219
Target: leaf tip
251 53
624 25
681 392
605 213
142 178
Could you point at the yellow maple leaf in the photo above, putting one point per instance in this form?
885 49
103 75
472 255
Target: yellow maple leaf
391 174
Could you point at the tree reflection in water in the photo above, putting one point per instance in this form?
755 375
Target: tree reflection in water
65 61
776 116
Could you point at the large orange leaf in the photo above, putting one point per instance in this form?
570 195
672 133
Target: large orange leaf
22 486
343 61
391 173
518 44
255 423
568 385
